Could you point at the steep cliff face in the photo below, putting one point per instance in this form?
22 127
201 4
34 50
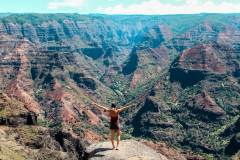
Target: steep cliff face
13 112
195 104
24 135
183 70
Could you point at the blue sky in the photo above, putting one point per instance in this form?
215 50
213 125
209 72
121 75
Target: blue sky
121 6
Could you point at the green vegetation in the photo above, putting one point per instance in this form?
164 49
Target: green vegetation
222 128
2 113
27 133
7 153
43 123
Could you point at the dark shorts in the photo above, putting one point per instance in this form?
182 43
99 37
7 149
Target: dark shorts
114 126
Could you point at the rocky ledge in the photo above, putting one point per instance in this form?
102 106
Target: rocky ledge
128 150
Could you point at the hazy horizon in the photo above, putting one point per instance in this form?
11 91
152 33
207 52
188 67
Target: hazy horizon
123 7
114 14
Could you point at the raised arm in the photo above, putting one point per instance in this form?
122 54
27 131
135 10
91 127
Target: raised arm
100 106
126 107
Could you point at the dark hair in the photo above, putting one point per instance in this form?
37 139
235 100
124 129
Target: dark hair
113 105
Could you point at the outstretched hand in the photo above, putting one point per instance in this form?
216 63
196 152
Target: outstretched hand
127 106
105 109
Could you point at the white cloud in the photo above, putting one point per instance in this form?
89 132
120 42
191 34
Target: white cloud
57 4
156 7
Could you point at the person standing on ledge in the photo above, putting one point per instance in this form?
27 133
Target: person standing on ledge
113 113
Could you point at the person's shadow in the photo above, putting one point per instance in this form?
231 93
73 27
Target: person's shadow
95 152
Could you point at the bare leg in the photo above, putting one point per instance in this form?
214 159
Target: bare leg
118 138
112 138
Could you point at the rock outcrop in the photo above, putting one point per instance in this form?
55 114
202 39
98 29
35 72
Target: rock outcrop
204 105
34 142
128 150
14 113
23 137
193 65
